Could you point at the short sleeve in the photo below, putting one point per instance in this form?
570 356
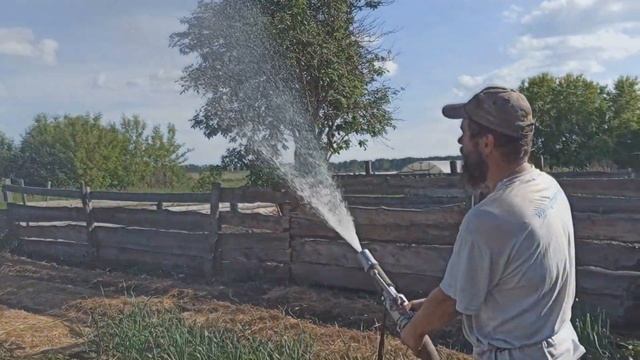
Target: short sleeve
472 268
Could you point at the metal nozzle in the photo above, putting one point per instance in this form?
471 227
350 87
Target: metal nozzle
367 260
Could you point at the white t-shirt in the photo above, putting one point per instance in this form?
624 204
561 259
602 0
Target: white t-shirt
512 272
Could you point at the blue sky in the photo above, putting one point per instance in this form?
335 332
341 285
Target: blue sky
112 57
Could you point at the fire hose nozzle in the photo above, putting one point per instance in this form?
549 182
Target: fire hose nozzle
367 260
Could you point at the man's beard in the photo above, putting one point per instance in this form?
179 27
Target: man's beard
474 168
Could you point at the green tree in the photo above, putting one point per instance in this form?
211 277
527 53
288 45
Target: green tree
165 156
206 179
573 127
624 99
255 56
7 156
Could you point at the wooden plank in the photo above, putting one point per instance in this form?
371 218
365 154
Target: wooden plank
273 247
594 280
404 201
254 195
610 187
398 258
70 232
618 227
433 234
609 255
21 213
451 215
214 226
160 219
255 221
55 250
31 190
239 270
604 204
624 314
145 260
412 285
152 197
170 242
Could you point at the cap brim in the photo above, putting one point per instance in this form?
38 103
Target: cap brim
454 111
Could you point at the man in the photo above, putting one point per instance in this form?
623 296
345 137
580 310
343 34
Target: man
512 271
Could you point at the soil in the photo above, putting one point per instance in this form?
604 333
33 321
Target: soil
43 306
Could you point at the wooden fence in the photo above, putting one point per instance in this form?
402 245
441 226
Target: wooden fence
412 235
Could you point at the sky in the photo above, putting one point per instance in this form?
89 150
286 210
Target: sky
112 57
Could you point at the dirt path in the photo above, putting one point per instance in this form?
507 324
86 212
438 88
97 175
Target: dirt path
40 303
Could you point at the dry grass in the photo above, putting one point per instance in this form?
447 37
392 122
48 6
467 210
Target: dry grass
23 333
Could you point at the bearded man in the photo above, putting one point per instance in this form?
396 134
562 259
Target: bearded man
512 271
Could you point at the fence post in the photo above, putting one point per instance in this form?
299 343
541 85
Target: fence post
8 197
46 197
90 223
453 167
24 196
159 205
214 265
368 167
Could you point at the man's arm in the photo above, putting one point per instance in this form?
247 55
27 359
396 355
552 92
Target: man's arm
435 312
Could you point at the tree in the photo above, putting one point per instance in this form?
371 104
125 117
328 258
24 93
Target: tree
69 149
624 99
572 125
7 156
261 62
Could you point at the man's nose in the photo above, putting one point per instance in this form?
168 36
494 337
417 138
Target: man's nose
460 140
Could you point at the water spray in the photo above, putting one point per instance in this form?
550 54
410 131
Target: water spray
394 302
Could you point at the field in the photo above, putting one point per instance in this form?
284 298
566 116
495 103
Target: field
57 312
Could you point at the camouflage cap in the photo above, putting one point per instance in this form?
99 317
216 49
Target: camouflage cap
502 109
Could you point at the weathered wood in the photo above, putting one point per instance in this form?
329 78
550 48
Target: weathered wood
404 201
604 204
623 313
145 260
152 197
255 221
609 187
71 232
90 223
609 255
399 258
620 227
56 250
214 225
594 280
170 242
273 247
254 195
436 226
75 194
239 270
6 194
24 196
412 285
21 213
159 219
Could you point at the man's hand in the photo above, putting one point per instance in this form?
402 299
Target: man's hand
412 338
433 313
414 305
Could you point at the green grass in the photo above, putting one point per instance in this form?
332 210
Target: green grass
594 334
143 333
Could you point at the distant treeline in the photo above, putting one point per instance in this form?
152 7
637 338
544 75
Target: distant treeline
385 164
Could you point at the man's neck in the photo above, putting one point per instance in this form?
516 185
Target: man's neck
502 171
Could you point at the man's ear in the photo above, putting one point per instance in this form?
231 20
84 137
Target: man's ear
487 144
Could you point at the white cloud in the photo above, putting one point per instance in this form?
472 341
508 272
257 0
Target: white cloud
22 42
100 81
391 67
552 44
512 14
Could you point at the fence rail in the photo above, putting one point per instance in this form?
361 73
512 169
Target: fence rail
409 222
